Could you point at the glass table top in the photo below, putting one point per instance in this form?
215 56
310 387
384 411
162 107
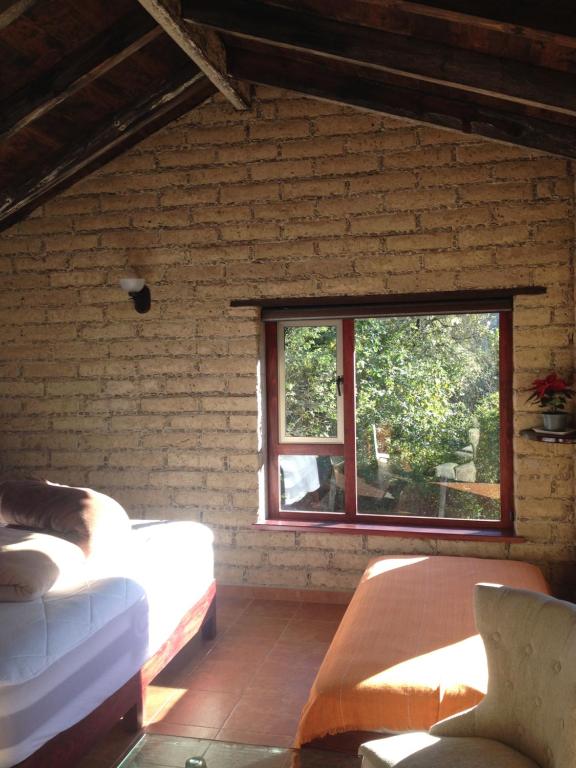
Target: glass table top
156 751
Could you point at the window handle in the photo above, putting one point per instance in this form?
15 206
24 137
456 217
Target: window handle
339 383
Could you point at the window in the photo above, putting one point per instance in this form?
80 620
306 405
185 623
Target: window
392 415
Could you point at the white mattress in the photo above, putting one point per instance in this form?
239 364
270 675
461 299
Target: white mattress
63 655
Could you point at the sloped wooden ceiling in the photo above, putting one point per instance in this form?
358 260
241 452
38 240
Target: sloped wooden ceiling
81 82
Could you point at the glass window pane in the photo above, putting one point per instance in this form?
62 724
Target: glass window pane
311 483
310 389
427 415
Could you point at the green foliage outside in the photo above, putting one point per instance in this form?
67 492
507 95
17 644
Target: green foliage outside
488 414
310 380
427 380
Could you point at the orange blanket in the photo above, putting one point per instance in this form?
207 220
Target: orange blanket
407 653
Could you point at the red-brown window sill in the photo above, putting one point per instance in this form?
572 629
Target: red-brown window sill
401 531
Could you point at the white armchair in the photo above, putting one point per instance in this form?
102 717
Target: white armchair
528 716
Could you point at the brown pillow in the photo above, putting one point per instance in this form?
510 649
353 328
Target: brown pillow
85 517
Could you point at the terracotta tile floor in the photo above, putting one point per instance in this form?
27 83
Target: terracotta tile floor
248 685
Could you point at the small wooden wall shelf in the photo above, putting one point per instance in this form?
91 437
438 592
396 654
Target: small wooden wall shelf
542 437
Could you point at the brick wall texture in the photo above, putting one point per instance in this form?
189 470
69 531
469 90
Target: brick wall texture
296 197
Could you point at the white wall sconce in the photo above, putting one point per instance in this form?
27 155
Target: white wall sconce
138 291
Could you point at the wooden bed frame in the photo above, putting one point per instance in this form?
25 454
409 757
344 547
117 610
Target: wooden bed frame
68 747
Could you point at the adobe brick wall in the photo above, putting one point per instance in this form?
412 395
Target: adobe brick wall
296 197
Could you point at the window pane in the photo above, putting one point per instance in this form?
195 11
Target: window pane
310 392
427 416
311 483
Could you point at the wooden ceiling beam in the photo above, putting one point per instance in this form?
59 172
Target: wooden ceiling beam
123 131
520 21
403 97
10 10
518 16
76 72
425 60
202 46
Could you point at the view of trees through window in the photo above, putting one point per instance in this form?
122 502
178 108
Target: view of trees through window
310 371
427 413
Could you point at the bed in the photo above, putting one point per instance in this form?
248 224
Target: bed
75 660
407 652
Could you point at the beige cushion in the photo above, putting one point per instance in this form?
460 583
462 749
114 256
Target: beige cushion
31 564
85 517
421 750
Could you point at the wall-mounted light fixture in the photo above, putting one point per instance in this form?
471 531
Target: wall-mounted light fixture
138 291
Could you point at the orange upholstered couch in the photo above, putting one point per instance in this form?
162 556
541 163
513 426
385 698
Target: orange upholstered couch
407 652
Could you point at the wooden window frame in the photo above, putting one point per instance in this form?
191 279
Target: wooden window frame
347 448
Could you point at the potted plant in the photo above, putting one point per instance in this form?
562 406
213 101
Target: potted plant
551 394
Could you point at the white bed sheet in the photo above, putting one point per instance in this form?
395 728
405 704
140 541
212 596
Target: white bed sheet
71 652
181 569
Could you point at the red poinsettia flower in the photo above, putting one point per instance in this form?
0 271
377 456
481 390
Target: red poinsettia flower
551 392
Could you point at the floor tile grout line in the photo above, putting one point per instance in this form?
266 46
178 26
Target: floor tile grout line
274 643
246 687
196 665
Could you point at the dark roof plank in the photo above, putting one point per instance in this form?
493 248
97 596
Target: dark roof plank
424 60
75 72
518 20
10 10
125 130
556 18
557 51
202 46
